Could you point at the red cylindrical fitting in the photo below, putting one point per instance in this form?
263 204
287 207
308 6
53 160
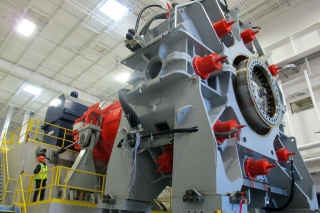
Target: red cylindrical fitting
283 154
222 27
210 63
226 126
165 160
253 168
248 35
274 70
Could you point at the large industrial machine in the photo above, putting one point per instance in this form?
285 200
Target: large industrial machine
205 117
94 133
62 112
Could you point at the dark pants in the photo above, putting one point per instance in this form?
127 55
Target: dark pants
38 184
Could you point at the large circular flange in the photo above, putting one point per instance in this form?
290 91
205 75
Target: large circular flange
258 95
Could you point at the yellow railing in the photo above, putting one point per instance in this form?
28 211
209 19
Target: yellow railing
5 168
31 131
57 180
19 192
166 198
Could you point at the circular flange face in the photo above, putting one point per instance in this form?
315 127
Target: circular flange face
153 68
258 95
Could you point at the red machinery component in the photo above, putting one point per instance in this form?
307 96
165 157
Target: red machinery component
222 27
165 160
253 168
274 70
210 63
108 118
283 154
169 8
225 127
248 35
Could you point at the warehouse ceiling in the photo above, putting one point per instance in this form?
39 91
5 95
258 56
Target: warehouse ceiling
76 47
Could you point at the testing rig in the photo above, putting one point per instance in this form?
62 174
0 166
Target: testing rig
205 117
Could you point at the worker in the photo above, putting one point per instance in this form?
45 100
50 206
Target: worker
40 177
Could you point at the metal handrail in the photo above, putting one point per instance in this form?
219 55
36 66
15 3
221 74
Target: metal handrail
5 169
22 195
166 198
33 132
15 138
54 182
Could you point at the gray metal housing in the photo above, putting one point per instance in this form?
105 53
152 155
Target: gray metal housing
166 89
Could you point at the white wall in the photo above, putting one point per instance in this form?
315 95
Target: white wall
293 33
304 124
297 17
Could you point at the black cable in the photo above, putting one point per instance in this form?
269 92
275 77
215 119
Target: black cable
171 131
186 130
143 31
291 193
227 10
132 117
139 15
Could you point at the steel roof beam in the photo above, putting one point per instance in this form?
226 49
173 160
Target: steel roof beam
46 81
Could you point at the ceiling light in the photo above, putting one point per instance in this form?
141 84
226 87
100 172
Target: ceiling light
55 102
32 89
123 77
26 27
114 9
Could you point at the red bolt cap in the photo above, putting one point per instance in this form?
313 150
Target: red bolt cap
210 63
226 126
248 35
274 70
283 154
253 168
165 160
222 27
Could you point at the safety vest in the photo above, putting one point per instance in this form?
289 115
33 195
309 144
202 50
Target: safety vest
43 172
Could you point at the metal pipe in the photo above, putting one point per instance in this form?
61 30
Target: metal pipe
70 145
311 94
312 160
63 149
308 65
309 146
284 102
254 6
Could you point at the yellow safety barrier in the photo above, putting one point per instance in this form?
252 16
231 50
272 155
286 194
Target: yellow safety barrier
23 193
5 168
166 198
31 131
56 181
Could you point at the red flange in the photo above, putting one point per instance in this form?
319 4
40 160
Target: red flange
222 27
274 70
253 168
283 154
165 160
226 127
210 63
248 35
